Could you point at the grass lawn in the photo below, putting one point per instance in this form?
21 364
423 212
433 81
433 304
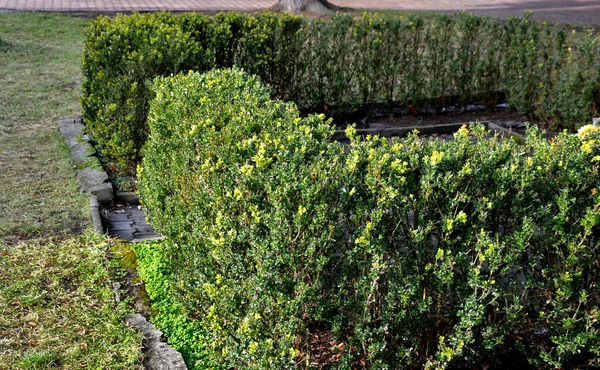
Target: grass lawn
40 75
57 304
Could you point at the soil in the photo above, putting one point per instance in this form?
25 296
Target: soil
408 120
132 286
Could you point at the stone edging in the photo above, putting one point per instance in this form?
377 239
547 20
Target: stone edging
95 213
91 178
158 355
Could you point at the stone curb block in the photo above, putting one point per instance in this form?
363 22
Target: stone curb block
159 355
91 181
96 183
76 139
95 212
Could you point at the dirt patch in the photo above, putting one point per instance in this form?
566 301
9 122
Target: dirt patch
422 119
132 286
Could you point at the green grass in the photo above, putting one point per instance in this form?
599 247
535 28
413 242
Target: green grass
40 75
59 308
57 304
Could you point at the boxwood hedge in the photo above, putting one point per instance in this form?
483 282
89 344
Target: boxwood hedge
337 65
291 251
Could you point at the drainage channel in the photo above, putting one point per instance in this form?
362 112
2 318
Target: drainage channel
124 219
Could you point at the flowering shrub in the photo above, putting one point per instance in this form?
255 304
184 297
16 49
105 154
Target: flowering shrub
400 253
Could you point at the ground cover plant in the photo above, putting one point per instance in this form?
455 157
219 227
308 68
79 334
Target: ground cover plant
56 296
286 250
185 334
338 65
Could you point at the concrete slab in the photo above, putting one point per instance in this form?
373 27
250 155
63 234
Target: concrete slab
129 223
114 226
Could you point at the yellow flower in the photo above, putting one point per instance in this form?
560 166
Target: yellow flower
400 166
586 130
253 347
237 194
301 210
351 132
463 132
588 146
246 170
261 158
467 170
436 157
461 217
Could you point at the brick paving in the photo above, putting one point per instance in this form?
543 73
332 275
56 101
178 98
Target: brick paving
568 11
111 6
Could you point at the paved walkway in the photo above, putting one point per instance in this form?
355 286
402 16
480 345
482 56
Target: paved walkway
568 11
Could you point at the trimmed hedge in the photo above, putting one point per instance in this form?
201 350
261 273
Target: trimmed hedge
121 55
386 254
337 65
